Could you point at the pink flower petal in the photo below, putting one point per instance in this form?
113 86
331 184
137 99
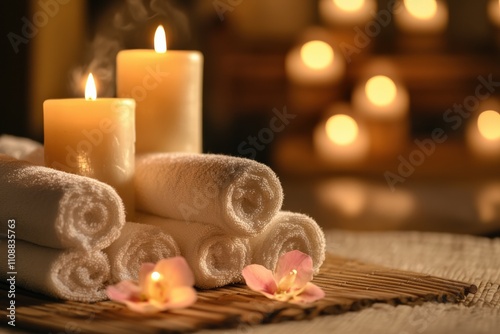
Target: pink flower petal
144 273
259 279
176 271
124 291
142 307
311 293
181 297
295 260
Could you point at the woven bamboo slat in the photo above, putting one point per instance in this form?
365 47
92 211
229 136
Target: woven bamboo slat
349 286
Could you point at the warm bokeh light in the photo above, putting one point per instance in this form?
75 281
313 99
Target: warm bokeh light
421 9
160 40
349 5
381 90
155 276
342 129
317 55
90 88
488 124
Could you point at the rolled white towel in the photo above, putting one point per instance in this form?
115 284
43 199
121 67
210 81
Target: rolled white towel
57 209
215 258
137 244
289 231
236 194
62 274
18 147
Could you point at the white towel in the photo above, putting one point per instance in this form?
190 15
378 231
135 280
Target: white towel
286 232
18 147
215 258
238 195
62 274
57 209
137 244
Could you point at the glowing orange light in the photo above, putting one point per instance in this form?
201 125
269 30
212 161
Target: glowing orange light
421 9
155 276
488 124
160 40
317 55
349 5
90 89
342 129
381 90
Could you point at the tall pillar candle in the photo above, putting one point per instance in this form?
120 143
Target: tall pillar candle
94 138
167 87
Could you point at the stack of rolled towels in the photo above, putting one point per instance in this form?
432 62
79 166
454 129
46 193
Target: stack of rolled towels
219 212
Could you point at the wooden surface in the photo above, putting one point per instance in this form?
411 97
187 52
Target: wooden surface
349 286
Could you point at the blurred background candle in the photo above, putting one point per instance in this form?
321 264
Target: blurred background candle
494 12
339 138
314 63
93 137
483 135
422 16
347 12
167 86
384 105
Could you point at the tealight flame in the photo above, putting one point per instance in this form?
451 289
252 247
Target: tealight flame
155 276
421 9
349 5
488 124
381 90
317 55
160 40
90 89
342 129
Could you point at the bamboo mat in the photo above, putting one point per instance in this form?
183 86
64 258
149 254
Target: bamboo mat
349 286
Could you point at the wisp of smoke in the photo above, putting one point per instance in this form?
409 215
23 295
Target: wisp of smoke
112 34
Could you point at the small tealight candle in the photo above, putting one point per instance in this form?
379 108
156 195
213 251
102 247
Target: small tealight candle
384 104
423 16
314 63
483 135
347 12
340 138
93 137
380 97
167 86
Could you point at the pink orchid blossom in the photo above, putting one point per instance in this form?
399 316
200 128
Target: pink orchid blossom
166 285
290 281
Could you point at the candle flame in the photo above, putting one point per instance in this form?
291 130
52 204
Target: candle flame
160 40
421 9
90 89
381 90
317 55
488 124
155 276
349 5
342 129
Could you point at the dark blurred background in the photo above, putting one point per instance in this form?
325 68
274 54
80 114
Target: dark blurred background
50 45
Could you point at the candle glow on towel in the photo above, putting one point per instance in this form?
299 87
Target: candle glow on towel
93 137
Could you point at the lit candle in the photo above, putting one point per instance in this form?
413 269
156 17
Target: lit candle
483 135
423 16
93 137
384 104
380 97
314 63
347 12
339 138
167 87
